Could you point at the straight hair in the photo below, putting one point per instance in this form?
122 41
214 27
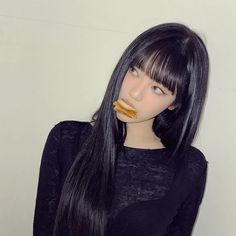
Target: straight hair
171 54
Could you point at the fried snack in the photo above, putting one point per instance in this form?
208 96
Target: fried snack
122 107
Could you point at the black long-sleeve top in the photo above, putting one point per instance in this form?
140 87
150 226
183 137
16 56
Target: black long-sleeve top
155 195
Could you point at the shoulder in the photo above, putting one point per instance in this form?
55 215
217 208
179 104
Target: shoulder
193 155
68 135
71 125
195 163
68 129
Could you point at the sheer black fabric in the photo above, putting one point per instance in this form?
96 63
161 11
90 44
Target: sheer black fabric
155 195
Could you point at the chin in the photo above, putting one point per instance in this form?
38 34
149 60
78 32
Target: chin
127 119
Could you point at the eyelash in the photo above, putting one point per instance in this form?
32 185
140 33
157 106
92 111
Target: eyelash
159 89
132 70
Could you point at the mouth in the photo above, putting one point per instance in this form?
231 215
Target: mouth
128 103
122 107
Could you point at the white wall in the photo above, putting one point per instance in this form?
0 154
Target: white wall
53 53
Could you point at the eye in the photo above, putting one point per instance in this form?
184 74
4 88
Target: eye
133 71
158 90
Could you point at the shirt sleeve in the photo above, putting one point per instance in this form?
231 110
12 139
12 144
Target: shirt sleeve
48 185
183 222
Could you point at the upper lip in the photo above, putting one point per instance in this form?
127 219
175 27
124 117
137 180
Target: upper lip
129 103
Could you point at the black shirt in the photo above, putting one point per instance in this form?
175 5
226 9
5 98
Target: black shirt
155 195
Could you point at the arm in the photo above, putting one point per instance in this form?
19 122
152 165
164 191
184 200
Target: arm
183 222
48 185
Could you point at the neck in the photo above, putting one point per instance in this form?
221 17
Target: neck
141 135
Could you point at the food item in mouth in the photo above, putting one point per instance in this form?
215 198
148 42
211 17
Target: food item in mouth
122 107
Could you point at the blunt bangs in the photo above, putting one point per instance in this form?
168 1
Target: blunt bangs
165 63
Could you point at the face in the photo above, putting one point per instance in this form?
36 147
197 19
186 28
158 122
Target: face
147 96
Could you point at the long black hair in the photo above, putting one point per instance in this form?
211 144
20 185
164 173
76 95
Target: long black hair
171 54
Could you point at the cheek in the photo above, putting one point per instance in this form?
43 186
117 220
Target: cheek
154 106
126 84
151 110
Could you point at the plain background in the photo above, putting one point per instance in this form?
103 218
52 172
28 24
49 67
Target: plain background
56 58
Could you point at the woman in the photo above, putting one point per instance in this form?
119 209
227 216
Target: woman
132 175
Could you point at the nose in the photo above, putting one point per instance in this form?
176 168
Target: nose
137 92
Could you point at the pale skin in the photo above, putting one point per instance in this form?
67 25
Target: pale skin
150 99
